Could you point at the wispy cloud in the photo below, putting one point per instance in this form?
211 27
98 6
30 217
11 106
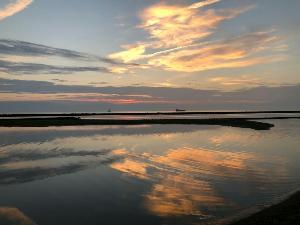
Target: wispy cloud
172 26
177 25
22 48
114 99
35 68
261 97
227 81
15 90
250 49
203 3
181 39
132 53
14 49
13 8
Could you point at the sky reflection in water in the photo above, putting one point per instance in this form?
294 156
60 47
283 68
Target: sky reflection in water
144 174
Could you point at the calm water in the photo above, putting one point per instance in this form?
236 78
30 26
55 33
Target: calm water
158 174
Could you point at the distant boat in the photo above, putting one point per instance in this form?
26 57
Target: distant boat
180 110
109 110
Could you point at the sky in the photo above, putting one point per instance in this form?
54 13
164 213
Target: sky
73 55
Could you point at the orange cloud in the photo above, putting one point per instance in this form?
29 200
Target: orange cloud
176 25
203 3
13 8
177 34
239 81
243 51
131 53
82 97
173 26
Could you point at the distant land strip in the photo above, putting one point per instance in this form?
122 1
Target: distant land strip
145 113
76 121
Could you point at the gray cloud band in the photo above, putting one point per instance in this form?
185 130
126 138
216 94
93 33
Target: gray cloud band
35 68
21 48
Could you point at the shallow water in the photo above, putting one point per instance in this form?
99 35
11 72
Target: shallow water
150 174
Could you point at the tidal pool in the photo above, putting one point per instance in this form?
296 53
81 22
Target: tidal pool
149 174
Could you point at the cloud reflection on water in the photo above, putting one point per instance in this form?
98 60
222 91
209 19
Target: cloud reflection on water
187 171
183 178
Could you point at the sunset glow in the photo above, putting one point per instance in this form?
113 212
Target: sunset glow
203 45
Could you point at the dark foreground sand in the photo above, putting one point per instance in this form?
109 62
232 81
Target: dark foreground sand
286 212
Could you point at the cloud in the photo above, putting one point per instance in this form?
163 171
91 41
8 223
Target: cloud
181 38
35 68
25 95
115 99
130 54
15 90
203 3
238 81
13 8
243 51
176 25
15 49
172 26
22 48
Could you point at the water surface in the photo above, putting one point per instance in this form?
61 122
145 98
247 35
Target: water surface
149 174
